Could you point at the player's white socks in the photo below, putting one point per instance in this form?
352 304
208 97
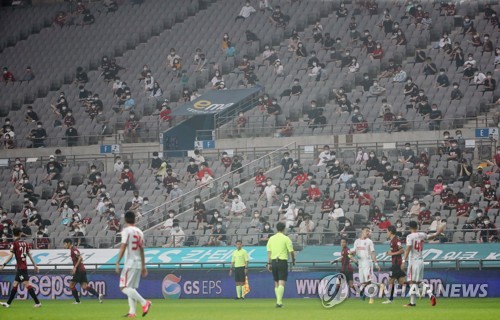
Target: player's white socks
132 293
413 298
131 305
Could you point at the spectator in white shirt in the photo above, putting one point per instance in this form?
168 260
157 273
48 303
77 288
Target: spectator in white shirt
245 12
269 192
171 57
206 181
291 215
198 158
336 213
479 78
176 238
325 156
119 165
238 208
307 225
136 202
167 225
149 83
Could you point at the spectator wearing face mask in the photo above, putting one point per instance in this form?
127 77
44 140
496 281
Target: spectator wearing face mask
176 238
347 231
327 205
113 223
424 216
169 222
478 178
269 192
238 208
290 215
42 241
436 223
325 156
199 211
266 233
337 213
218 236
364 198
488 232
306 226
313 193
255 222
4 242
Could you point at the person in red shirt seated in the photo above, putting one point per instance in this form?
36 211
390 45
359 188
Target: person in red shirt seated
353 190
226 161
384 223
423 170
8 76
364 198
438 187
451 200
299 179
424 216
204 168
241 122
327 204
260 177
165 113
361 126
463 208
313 193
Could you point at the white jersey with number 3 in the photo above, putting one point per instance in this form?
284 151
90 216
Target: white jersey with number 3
416 243
363 249
134 239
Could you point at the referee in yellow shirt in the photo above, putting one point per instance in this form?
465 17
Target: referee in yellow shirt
240 264
278 248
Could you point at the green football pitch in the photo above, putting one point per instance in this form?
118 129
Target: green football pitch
303 309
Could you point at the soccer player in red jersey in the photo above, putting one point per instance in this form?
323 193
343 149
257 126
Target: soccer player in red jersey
397 274
79 273
20 249
346 267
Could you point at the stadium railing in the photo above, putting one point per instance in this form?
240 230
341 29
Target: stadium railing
303 129
300 240
268 161
307 265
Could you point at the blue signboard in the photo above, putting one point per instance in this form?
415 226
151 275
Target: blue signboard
110 148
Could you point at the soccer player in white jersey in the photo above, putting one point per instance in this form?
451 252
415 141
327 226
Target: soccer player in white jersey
133 245
365 251
413 254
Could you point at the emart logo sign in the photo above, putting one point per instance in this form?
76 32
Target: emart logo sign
209 106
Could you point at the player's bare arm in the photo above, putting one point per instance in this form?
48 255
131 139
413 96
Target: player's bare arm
35 266
374 259
143 263
77 264
9 257
120 256
407 252
292 254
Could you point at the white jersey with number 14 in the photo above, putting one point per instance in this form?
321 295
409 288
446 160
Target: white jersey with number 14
416 243
134 239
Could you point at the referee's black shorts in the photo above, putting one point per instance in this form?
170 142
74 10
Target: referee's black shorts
397 272
280 270
80 277
239 274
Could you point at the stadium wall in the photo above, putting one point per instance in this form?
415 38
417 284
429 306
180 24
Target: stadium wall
202 272
196 284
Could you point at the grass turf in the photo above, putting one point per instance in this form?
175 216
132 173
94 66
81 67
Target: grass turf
470 309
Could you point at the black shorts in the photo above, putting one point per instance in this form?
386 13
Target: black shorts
397 272
239 274
348 275
22 275
280 270
80 277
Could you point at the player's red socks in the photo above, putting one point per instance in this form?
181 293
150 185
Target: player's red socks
13 293
32 293
92 291
75 294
